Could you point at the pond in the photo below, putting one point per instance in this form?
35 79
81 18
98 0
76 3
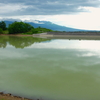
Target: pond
50 69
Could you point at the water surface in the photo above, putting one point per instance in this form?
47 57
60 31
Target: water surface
56 69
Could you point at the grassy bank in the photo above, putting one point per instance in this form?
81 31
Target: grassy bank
11 97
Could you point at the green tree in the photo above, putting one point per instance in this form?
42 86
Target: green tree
1 31
3 25
40 30
19 27
35 31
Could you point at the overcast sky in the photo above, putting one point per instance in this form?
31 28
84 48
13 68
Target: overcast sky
81 14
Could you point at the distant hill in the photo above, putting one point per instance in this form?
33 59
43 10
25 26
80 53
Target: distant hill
49 25
46 24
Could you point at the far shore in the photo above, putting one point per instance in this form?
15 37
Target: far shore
55 35
67 36
15 35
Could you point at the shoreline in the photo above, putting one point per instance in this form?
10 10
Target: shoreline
14 35
52 34
9 96
79 37
58 36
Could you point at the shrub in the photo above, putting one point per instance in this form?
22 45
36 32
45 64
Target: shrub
19 27
3 25
1 31
34 31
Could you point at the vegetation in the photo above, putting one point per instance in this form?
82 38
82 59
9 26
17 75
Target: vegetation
3 25
1 31
21 28
40 30
27 29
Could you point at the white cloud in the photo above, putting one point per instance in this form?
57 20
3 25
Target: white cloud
89 20
90 45
4 54
86 20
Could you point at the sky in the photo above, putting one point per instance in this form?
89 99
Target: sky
80 14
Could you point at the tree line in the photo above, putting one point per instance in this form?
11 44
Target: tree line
21 28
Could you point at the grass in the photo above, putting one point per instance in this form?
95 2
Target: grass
5 32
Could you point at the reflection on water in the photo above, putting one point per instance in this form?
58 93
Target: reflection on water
19 42
50 69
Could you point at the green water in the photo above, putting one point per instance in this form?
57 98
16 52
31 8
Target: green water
57 69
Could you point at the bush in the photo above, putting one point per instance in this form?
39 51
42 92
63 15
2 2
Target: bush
34 31
28 33
3 25
40 30
1 31
19 27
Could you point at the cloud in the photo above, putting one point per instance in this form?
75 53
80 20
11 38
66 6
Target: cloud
81 14
47 7
86 45
5 54
11 9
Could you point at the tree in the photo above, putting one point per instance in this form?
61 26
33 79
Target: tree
40 30
35 31
19 27
3 25
1 31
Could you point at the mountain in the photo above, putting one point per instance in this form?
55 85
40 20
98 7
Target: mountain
45 24
49 25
